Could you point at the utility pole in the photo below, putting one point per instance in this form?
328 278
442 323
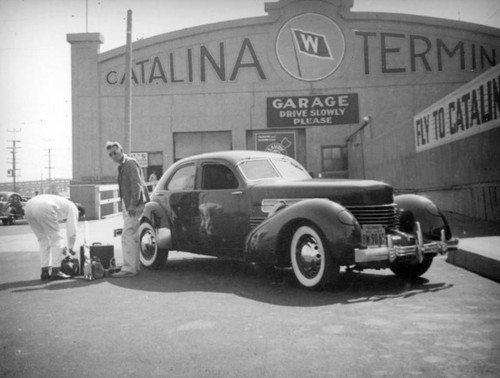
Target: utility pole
13 152
86 16
50 160
128 87
50 164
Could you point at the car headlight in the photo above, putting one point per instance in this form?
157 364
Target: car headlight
346 218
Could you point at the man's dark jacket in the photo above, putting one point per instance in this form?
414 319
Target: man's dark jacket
131 183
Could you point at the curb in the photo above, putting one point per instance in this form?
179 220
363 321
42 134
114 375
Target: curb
475 261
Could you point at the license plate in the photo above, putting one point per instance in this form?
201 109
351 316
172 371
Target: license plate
373 235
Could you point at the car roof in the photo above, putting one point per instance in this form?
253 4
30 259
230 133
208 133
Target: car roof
234 156
8 194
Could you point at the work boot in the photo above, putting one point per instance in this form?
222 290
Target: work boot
58 275
45 274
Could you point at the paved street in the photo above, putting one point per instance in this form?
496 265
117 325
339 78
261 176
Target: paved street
203 317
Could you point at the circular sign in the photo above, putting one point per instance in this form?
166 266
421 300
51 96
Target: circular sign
310 47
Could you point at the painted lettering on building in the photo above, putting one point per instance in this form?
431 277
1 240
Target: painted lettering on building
472 109
312 54
407 53
186 68
312 110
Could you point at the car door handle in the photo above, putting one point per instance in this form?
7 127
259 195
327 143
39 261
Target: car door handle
237 193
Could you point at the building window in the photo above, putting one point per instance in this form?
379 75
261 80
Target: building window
334 158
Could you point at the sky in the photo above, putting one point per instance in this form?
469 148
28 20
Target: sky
35 70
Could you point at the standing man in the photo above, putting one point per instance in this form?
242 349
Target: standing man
134 197
43 214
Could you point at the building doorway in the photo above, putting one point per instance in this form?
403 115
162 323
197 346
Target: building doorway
189 144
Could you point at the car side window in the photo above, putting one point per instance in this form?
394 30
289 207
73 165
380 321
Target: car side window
218 176
183 178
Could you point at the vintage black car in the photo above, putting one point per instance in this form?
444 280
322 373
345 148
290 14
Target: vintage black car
11 207
265 209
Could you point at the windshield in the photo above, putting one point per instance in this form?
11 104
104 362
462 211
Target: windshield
291 169
260 169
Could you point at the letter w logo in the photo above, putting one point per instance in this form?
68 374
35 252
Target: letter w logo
312 44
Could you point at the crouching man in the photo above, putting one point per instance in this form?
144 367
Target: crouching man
43 213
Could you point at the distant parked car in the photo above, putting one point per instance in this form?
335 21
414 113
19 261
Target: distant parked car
265 208
11 207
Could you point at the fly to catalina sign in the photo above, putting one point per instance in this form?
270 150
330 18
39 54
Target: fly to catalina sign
324 110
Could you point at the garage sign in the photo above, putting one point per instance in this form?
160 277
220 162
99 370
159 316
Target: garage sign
472 109
323 110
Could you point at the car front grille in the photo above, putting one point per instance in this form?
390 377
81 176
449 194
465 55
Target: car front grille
386 215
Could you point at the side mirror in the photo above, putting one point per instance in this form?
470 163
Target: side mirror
81 211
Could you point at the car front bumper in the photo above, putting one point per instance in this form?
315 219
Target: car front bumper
394 251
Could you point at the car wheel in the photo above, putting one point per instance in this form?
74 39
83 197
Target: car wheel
409 271
6 221
151 255
12 215
312 263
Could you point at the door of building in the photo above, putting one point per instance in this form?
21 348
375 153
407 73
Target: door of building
188 144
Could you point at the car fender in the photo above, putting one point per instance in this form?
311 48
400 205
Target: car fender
269 242
414 208
154 214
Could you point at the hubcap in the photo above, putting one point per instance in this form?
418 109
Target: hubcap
148 245
308 256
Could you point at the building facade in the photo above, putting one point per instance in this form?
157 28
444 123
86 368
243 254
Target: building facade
338 90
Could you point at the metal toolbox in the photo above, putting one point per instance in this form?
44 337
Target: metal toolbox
105 253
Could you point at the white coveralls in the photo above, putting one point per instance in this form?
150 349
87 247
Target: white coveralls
43 214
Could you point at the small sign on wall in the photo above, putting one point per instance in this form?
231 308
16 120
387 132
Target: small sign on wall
141 157
284 143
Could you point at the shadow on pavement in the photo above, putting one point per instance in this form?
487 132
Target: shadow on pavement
32 285
219 276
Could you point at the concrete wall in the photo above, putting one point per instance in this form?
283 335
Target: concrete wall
480 201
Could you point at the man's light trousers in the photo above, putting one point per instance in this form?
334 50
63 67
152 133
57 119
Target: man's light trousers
45 226
130 240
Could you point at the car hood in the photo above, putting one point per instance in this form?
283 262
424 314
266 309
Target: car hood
344 192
